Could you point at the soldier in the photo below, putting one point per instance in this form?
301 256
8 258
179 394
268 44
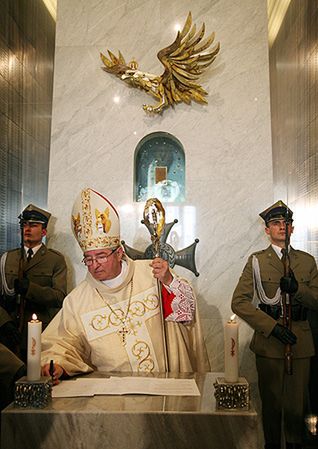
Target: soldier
283 395
34 275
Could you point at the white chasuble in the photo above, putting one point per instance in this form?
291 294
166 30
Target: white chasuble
119 329
133 334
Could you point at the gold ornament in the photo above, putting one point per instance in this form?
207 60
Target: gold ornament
183 60
154 214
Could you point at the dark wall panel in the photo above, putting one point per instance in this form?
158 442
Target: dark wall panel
27 40
294 108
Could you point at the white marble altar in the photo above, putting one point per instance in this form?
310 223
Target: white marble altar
98 122
132 421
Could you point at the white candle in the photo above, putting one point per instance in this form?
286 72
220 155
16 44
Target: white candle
231 350
34 348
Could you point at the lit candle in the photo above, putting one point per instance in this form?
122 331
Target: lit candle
231 350
34 348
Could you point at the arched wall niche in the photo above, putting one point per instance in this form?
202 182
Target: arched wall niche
159 168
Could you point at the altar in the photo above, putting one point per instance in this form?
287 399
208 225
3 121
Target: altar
132 422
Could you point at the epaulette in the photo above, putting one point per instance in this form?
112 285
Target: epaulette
303 253
256 253
10 250
55 251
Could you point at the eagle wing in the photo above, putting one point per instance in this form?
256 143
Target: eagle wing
184 61
115 65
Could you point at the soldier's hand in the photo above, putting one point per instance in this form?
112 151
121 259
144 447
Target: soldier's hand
289 284
21 286
284 335
10 335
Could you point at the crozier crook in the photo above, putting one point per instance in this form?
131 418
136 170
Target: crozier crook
154 214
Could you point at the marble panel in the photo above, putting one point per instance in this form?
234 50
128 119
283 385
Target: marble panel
143 422
98 122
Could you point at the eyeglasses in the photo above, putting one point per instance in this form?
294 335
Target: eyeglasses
102 258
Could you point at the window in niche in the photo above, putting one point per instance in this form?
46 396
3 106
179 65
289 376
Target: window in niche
159 168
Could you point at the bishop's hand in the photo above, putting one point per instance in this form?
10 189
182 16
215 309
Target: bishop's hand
57 372
160 270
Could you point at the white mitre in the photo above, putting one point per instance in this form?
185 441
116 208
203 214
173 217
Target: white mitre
95 221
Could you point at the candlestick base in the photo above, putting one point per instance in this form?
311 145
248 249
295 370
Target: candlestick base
232 395
33 393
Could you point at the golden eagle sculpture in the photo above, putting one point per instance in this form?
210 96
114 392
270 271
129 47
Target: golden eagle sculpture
184 61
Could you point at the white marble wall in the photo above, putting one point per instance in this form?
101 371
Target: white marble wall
227 143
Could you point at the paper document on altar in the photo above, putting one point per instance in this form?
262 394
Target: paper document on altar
72 389
126 385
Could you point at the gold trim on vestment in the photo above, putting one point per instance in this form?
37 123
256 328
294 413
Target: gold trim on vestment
135 344
141 351
137 309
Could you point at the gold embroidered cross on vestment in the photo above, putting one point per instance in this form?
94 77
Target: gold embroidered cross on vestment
124 330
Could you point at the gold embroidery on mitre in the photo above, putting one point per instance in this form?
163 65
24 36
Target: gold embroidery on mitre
103 223
76 220
87 214
141 351
101 242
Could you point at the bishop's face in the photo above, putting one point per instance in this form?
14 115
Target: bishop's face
103 264
276 232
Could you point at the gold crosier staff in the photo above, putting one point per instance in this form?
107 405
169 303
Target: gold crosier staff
154 214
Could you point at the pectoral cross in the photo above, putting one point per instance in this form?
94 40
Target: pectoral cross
122 333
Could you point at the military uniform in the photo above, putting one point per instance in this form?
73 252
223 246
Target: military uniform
11 367
4 316
279 391
42 284
46 272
